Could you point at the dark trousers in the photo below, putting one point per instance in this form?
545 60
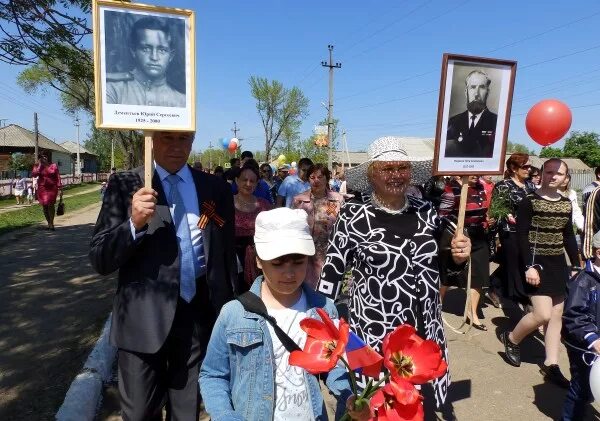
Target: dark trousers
170 376
579 394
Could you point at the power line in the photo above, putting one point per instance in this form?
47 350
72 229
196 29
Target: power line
521 68
410 30
389 25
539 34
543 32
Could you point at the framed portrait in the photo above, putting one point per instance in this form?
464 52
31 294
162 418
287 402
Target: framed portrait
144 67
473 115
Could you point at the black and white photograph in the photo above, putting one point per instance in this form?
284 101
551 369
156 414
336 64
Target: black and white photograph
473 114
144 66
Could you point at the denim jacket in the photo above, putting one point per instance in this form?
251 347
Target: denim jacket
237 377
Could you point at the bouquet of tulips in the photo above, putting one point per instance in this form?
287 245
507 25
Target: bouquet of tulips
409 360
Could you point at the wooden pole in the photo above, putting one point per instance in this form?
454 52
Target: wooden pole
148 159
460 228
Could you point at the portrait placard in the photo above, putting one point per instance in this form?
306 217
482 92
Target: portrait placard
473 115
144 67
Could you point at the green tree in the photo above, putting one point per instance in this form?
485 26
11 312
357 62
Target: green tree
278 107
21 162
100 143
585 146
50 39
550 152
518 148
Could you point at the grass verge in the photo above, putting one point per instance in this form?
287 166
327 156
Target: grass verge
67 190
31 215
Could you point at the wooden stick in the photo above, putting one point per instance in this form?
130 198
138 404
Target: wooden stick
460 224
460 228
148 164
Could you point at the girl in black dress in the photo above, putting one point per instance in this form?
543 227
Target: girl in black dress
544 232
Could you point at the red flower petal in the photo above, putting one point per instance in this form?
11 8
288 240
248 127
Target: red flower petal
398 402
315 328
312 362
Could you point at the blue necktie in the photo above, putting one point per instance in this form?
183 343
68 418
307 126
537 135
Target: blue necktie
187 281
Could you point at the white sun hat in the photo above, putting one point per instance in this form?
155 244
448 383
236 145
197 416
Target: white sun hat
282 231
392 148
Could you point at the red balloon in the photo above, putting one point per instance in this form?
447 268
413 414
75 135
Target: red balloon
232 147
548 121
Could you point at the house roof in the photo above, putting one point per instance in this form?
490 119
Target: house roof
575 164
425 143
72 147
18 137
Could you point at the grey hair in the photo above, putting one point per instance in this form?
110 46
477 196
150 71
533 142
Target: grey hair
481 72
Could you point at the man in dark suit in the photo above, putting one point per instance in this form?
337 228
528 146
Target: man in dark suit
173 246
471 134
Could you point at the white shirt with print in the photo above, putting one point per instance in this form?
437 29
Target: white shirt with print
292 401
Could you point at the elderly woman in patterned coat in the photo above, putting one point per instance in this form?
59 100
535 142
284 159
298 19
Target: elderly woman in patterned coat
390 241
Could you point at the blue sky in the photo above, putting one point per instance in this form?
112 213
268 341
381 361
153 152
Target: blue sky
391 53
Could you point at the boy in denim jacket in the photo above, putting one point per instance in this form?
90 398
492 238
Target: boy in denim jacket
580 330
245 374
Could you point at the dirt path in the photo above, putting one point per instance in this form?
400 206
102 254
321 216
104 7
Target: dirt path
53 309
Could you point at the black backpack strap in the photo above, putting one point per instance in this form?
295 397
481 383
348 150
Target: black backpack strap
252 303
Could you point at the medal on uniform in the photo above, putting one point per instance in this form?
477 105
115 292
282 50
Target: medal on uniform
460 137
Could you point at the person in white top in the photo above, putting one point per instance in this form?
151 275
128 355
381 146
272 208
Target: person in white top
566 191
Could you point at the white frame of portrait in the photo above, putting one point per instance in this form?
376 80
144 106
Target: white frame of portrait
469 165
143 117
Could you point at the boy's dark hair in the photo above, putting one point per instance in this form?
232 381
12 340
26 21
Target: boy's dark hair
148 22
247 154
218 169
304 161
232 161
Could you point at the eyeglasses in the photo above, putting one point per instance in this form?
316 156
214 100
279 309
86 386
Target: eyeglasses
266 170
525 167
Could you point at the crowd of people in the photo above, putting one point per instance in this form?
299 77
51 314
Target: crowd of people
381 246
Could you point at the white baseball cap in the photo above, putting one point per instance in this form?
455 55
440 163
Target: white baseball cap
282 231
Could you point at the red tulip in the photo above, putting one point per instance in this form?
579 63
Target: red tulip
412 358
397 402
325 344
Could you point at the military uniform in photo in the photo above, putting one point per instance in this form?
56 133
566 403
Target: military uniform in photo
471 135
134 88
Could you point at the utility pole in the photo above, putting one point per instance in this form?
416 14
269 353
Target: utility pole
235 131
330 107
77 165
37 138
346 146
210 156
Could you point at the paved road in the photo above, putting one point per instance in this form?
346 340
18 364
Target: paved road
53 307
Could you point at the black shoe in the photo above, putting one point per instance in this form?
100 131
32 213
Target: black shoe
553 374
512 351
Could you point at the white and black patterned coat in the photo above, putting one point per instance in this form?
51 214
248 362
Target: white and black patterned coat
394 261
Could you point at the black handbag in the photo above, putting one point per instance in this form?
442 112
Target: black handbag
252 303
60 208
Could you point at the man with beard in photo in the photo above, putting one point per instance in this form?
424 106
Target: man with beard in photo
471 133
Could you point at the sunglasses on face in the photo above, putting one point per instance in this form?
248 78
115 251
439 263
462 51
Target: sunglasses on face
525 167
